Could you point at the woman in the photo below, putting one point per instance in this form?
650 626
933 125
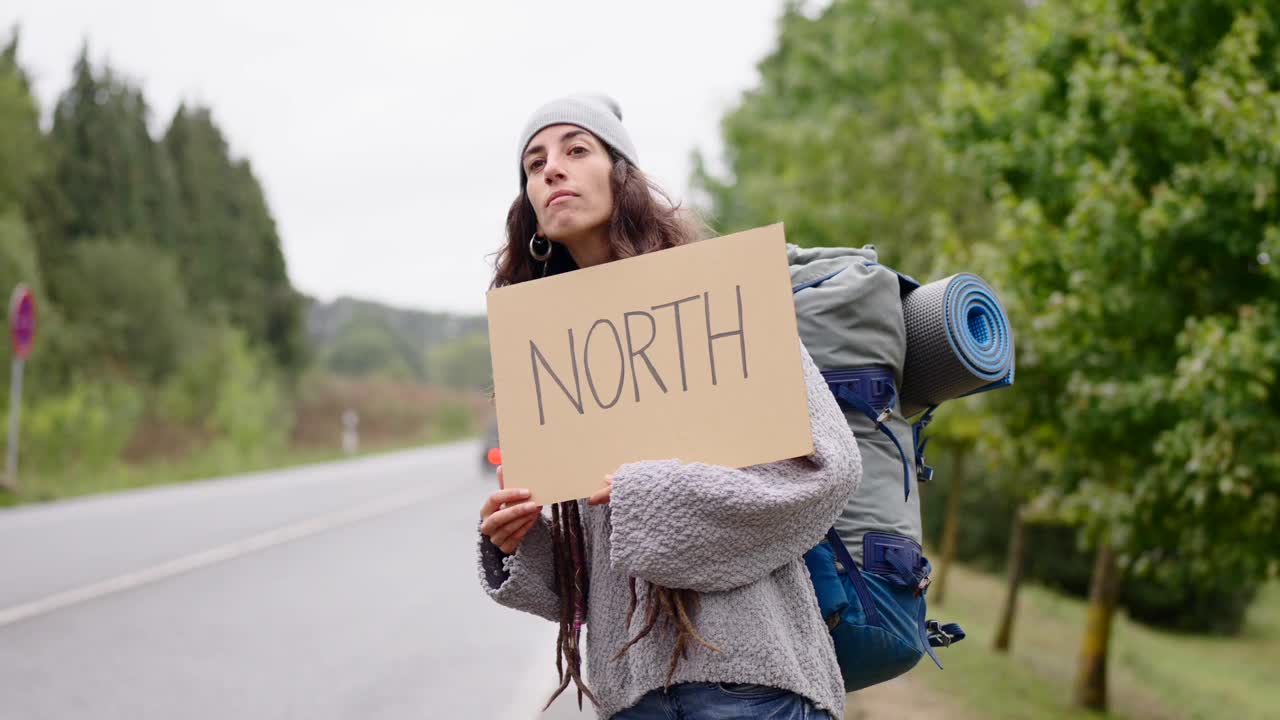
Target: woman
688 577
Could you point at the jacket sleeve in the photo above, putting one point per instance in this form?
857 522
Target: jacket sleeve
710 528
523 581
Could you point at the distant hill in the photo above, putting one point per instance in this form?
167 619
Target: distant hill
361 338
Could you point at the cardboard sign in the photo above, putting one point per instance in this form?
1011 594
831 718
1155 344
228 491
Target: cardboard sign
689 353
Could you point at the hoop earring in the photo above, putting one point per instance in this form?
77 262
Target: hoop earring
545 254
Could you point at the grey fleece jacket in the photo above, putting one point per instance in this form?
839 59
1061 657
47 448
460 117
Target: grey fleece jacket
737 536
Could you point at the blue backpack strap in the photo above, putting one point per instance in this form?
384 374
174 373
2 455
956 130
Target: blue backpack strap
906 567
911 571
816 282
932 634
846 385
859 583
924 473
926 639
916 577
900 561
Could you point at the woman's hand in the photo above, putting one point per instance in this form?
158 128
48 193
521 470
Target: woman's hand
506 518
603 495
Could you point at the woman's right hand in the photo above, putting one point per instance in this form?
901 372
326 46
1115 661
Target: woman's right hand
507 516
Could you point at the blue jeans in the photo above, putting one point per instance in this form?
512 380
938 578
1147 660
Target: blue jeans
722 701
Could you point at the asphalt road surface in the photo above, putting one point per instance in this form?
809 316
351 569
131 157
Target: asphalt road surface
343 590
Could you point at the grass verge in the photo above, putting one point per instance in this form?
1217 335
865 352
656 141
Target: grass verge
1153 673
202 464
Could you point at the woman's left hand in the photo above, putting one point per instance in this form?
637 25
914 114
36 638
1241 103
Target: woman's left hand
601 497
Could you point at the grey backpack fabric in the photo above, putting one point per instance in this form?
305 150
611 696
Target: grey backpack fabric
889 349
847 289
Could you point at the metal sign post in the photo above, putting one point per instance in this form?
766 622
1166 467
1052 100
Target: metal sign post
15 411
22 332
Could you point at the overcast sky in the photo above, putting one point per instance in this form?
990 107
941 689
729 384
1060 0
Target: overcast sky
385 134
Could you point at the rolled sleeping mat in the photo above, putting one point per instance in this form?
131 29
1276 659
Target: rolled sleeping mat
959 342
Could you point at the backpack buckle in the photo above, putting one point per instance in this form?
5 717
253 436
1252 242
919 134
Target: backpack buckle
923 585
937 636
940 635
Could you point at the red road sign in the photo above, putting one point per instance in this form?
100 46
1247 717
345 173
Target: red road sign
22 321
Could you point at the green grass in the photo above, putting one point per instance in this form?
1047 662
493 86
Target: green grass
1152 674
200 465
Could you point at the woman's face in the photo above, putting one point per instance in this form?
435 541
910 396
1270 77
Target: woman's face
568 183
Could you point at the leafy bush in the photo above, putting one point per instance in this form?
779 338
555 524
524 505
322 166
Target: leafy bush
231 391
86 426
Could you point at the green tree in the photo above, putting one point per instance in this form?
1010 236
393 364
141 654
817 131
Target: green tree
369 346
17 265
23 156
956 433
838 141
1132 147
18 262
130 310
26 167
116 180
26 191
835 140
115 232
462 363
229 250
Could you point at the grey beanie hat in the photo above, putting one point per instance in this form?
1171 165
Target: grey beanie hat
597 113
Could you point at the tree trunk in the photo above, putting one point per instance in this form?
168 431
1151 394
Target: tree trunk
950 525
1091 682
1013 568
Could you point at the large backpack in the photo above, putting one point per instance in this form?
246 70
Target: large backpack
890 349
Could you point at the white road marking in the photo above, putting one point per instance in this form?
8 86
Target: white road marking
221 553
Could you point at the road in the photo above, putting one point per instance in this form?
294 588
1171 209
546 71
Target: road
343 590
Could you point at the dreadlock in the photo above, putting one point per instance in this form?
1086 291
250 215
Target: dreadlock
672 607
572 585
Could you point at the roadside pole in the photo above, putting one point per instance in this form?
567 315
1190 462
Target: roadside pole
22 332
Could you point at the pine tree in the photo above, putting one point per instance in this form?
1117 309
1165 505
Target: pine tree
116 179
229 250
22 152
